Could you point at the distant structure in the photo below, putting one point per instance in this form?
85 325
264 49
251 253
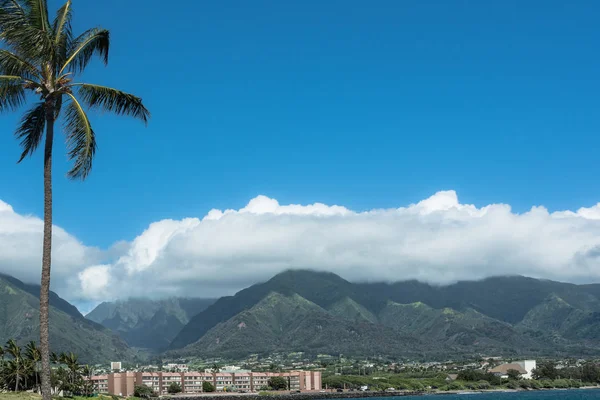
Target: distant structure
176 367
115 366
525 368
230 369
123 384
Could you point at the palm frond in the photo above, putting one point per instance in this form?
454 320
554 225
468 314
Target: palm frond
113 100
31 130
17 32
38 14
81 140
62 32
12 64
12 92
93 41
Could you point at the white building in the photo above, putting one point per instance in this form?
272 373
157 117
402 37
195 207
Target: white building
525 368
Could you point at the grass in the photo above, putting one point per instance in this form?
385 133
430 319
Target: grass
19 396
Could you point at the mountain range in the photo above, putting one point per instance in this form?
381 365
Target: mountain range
69 330
145 323
318 313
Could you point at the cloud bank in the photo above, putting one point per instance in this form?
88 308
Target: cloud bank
438 240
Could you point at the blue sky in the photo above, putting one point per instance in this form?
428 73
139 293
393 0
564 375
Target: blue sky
365 104
362 104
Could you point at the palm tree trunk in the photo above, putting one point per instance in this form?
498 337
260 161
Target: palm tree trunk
17 382
46 257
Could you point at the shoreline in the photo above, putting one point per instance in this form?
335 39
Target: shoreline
353 394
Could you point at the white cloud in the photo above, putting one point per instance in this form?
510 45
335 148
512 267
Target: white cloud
21 252
438 240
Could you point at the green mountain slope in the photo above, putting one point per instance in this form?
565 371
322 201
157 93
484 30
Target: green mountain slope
504 315
292 323
350 310
69 330
456 330
149 324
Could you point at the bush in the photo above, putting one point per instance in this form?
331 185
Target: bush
174 388
483 385
278 383
455 386
142 391
208 387
547 383
524 384
512 385
561 384
535 384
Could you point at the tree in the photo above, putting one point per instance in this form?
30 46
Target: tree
207 387
33 354
546 370
215 369
278 383
42 58
16 364
174 388
142 391
513 374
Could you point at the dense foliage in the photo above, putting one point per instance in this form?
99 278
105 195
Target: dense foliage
142 391
278 383
588 372
208 387
20 371
174 388
466 380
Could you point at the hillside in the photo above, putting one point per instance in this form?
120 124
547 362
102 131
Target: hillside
69 330
504 315
280 322
149 324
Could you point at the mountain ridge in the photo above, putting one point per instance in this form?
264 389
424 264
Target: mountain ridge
465 317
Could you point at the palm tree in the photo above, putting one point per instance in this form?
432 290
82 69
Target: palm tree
15 364
33 354
72 362
42 58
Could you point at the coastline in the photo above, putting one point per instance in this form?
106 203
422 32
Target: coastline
354 394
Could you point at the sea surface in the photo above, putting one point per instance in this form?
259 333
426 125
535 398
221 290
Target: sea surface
584 394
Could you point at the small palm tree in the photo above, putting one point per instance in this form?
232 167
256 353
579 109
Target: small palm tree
33 354
42 58
15 365
72 362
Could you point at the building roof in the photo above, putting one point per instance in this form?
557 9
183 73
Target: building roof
504 368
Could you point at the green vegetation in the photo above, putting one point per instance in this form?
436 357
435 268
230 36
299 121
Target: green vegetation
20 371
69 331
143 392
321 313
174 388
278 383
467 380
208 387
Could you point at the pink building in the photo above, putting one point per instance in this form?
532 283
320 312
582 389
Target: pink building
123 384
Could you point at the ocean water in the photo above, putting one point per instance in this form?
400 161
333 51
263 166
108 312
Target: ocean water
584 394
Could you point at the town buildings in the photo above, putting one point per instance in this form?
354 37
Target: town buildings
123 383
525 368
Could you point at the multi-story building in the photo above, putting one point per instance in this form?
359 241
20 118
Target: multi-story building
101 383
123 384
